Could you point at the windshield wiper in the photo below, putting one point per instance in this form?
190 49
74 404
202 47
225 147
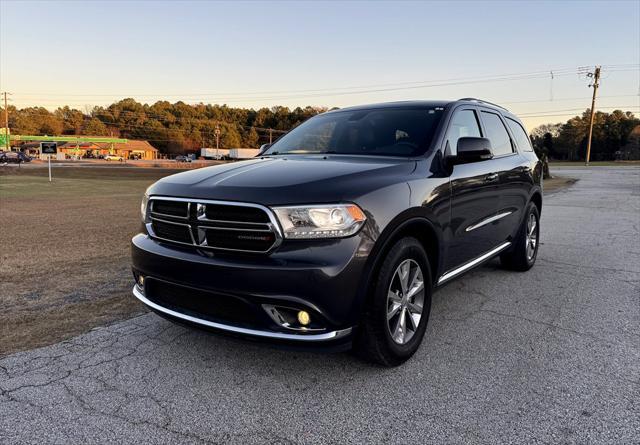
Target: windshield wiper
301 152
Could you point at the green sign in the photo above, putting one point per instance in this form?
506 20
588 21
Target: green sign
4 138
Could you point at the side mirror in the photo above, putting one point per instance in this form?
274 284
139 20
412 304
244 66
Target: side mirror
472 149
263 148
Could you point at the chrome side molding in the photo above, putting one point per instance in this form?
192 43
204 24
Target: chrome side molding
325 336
486 221
457 271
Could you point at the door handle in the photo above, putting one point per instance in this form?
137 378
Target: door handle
491 177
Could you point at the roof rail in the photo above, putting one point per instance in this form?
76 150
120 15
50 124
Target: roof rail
484 102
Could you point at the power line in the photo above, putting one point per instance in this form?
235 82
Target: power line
562 99
579 109
238 97
307 90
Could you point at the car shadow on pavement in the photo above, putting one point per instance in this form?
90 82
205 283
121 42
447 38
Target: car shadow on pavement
181 344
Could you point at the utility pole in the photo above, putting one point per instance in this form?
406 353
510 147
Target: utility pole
595 85
217 133
270 136
6 122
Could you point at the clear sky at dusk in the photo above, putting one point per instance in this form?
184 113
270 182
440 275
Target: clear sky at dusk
258 54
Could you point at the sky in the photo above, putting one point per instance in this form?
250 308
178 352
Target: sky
255 54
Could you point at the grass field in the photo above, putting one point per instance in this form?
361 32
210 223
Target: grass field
65 249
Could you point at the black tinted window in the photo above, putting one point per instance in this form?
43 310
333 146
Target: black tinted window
497 134
463 124
383 132
522 140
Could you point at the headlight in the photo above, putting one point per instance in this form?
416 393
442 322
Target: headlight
320 221
143 206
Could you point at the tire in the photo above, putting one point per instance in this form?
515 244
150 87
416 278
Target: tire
382 341
522 255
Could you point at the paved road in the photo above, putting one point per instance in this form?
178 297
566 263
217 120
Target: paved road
549 356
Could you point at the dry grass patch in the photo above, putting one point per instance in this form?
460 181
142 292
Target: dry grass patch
65 251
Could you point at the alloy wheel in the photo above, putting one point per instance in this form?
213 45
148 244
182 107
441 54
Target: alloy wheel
532 236
405 301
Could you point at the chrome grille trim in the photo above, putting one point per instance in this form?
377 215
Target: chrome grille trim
199 226
167 215
153 218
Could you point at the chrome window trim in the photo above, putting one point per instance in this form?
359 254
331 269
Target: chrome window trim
325 336
457 271
506 155
273 226
488 220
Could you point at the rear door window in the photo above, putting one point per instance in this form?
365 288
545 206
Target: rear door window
522 140
497 134
464 124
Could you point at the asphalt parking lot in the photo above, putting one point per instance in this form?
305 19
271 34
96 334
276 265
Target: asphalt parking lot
547 356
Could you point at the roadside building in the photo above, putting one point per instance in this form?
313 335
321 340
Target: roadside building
81 149
132 149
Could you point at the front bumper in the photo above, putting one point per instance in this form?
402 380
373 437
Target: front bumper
322 278
280 336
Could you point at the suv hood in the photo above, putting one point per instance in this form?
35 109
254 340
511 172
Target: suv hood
288 180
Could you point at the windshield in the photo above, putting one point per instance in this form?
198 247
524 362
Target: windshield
383 132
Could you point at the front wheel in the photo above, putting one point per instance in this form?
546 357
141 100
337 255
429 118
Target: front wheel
396 318
523 253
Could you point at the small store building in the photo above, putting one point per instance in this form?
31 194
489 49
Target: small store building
132 149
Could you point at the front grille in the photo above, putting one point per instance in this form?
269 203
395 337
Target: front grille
240 239
213 224
218 212
170 208
201 304
171 231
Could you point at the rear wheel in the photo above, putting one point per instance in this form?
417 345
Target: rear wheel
523 253
396 319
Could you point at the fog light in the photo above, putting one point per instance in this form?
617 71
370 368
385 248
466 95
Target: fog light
304 318
140 281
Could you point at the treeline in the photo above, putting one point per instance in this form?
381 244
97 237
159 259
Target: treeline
616 135
183 128
172 128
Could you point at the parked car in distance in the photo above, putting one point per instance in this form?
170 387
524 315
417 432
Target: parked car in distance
337 235
14 157
182 158
112 157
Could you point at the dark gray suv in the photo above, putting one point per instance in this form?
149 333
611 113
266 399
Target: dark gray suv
337 234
